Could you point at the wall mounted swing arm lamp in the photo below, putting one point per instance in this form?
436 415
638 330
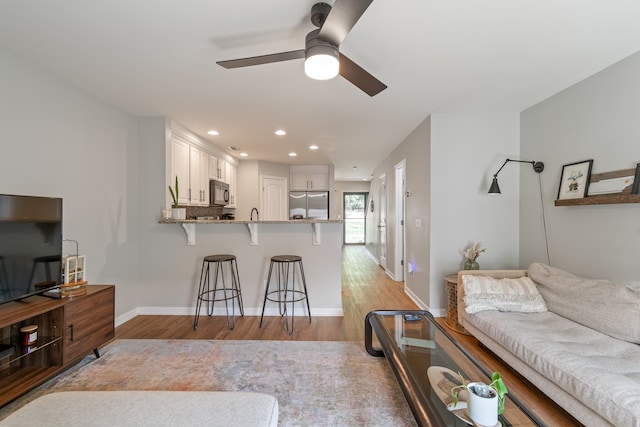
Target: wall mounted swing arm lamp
495 188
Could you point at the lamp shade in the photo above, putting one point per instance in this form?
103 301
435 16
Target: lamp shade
495 188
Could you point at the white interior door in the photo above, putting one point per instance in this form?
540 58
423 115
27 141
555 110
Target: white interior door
273 198
382 224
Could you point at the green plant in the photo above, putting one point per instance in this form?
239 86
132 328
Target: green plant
174 194
496 384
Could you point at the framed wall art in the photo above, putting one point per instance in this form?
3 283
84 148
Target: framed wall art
574 180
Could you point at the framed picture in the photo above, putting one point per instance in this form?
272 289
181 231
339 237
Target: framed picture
636 181
574 180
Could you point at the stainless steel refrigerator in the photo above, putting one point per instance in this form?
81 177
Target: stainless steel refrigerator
309 205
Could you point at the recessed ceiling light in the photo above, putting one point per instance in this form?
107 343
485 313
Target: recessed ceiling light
213 132
313 147
232 148
244 155
292 154
280 132
365 179
354 166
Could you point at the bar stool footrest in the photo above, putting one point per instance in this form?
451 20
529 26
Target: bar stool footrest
303 296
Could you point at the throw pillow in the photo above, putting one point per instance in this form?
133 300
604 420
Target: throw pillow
487 293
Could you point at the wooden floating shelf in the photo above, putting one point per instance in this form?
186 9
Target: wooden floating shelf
601 199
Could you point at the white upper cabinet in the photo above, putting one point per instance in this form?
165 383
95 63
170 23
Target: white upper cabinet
195 184
213 167
222 171
193 166
233 185
204 177
194 163
310 178
218 169
180 153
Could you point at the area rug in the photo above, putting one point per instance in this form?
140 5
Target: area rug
316 383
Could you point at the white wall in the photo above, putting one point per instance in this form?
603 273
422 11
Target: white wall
248 179
58 140
597 119
342 187
466 150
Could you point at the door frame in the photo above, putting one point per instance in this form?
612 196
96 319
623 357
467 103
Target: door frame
401 220
382 214
364 220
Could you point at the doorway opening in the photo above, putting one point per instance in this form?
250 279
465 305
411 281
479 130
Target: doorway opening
354 212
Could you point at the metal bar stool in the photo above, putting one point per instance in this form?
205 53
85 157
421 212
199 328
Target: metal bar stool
225 293
286 291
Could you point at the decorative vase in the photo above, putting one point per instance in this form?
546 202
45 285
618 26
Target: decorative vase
471 265
483 404
179 213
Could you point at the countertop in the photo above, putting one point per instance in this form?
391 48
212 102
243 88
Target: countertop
227 221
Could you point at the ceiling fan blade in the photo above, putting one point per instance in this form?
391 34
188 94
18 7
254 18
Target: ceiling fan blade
360 77
343 16
263 59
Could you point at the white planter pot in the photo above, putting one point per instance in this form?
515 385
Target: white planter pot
482 410
179 213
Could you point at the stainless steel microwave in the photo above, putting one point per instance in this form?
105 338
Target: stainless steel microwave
218 193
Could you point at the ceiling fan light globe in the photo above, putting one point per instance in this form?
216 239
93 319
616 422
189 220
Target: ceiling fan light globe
321 66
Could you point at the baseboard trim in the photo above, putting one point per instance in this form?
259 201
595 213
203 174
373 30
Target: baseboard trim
372 256
437 312
415 298
220 311
124 318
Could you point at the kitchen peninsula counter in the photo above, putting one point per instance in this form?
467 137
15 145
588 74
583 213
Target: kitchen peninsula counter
318 242
252 226
233 221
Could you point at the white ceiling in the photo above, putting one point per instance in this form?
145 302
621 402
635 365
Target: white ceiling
157 58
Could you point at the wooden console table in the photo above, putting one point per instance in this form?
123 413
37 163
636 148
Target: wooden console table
68 329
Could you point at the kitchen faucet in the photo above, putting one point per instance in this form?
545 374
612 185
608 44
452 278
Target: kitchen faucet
257 214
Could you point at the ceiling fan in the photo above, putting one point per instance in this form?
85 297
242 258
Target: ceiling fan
322 57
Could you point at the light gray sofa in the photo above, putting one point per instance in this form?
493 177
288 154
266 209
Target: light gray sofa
583 352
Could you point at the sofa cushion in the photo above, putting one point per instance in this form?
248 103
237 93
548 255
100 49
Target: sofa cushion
606 306
488 293
601 372
147 408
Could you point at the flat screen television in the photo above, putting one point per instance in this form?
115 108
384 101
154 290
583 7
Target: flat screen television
30 246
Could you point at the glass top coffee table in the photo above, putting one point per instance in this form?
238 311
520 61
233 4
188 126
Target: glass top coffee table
413 344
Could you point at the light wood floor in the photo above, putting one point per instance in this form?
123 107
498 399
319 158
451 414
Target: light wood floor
365 287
